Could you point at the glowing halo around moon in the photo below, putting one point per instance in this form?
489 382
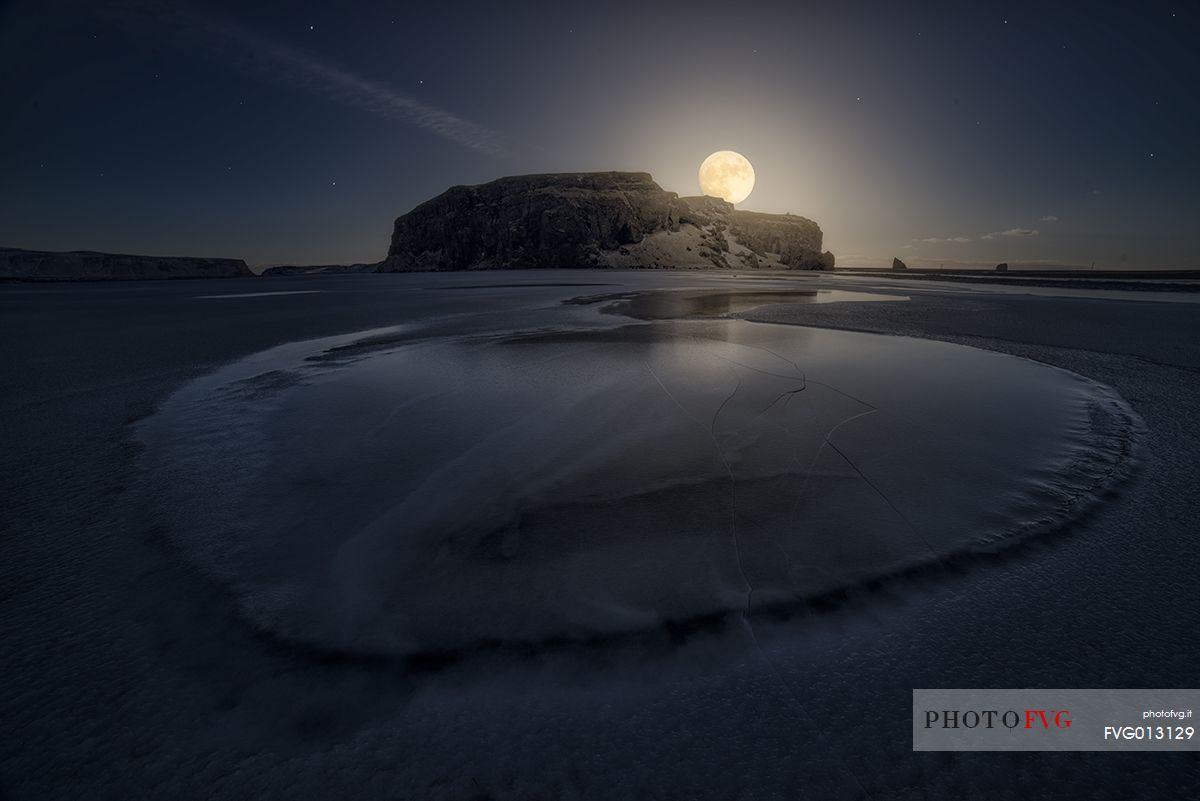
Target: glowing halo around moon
727 175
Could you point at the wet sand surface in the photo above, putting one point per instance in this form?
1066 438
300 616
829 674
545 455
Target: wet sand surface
562 472
130 673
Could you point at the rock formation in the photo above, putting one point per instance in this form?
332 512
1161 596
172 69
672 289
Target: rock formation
796 240
85 265
898 265
1002 267
321 269
608 219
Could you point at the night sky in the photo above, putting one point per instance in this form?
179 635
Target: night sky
295 132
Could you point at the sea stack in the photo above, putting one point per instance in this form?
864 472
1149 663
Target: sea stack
604 219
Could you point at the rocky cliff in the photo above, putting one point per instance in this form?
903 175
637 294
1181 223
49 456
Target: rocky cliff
608 219
85 265
320 269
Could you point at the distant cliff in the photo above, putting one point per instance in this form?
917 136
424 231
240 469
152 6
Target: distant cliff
607 219
320 269
85 265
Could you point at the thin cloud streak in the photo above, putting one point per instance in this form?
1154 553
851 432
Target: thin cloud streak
229 43
1017 232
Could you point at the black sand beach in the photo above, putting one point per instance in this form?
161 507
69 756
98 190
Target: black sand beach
128 672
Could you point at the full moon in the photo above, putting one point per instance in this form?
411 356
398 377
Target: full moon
727 175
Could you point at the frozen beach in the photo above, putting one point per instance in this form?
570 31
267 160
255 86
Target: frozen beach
557 469
580 534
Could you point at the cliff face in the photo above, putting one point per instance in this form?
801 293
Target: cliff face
320 269
796 240
531 221
609 219
735 238
85 265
